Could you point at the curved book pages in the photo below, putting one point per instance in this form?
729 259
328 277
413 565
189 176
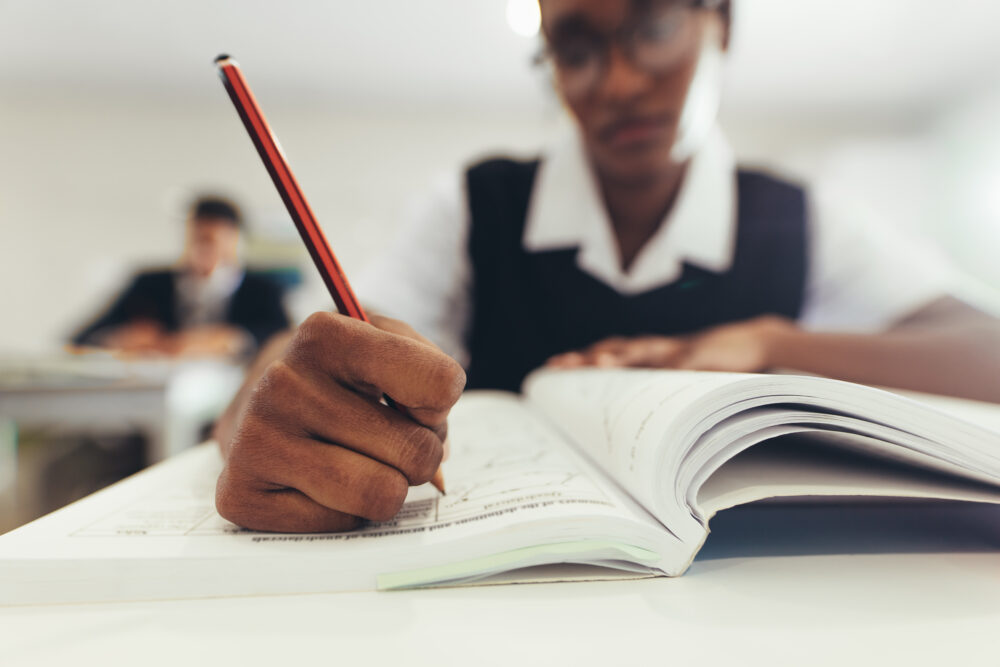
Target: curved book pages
603 473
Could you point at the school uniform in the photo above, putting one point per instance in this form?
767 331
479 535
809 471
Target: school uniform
176 300
515 261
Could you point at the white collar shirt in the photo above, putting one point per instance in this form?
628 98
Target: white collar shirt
566 211
203 301
863 275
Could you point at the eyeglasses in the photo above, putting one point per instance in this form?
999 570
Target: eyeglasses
654 39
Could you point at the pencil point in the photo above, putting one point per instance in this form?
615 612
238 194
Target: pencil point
222 56
438 482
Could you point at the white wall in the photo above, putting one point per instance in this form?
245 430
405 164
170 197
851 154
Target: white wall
968 213
90 187
87 192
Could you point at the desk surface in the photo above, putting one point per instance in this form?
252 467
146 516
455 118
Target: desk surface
887 584
898 584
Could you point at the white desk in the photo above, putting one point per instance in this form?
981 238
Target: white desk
168 401
781 585
909 586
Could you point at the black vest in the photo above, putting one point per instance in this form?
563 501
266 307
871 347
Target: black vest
528 306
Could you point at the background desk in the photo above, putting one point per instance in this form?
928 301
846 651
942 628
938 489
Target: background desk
167 402
905 585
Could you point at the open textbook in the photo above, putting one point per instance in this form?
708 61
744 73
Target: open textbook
616 468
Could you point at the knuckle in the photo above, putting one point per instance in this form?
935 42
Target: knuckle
316 326
383 495
318 335
420 454
275 392
278 378
446 380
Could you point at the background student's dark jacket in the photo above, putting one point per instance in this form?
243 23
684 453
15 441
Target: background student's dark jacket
256 307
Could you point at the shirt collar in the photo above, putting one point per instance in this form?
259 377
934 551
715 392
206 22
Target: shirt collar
220 284
566 211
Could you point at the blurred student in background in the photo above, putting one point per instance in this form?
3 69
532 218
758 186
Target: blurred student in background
637 242
208 306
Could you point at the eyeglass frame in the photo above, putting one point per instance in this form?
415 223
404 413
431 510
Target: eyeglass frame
623 38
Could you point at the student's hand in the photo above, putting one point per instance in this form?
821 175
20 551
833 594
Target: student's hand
141 337
742 347
314 449
215 340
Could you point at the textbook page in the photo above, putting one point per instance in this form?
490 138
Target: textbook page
621 418
650 429
503 463
828 464
518 497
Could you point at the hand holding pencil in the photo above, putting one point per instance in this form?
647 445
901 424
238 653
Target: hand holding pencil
314 449
319 443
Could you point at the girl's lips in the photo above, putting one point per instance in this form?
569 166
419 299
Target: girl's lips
634 130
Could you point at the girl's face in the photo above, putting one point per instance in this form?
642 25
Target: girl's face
623 67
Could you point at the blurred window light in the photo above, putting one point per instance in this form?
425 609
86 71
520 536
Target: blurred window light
523 17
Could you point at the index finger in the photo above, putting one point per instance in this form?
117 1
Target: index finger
653 352
371 360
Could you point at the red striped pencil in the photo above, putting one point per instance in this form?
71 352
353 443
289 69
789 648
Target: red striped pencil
295 201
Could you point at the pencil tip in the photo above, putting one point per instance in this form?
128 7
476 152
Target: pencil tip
222 56
438 482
